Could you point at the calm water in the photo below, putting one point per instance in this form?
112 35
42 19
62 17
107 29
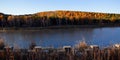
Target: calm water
60 37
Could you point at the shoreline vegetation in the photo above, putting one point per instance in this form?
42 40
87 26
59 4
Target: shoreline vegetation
55 27
80 51
58 19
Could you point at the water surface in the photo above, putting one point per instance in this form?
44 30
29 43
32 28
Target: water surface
61 37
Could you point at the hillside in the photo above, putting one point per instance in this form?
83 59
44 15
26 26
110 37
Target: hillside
59 18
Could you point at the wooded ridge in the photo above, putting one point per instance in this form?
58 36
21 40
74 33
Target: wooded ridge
59 18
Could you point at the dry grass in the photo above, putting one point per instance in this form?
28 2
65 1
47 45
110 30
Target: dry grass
81 45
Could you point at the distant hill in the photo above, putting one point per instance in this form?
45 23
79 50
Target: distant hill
59 18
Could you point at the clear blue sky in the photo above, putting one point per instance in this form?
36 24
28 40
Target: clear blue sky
33 6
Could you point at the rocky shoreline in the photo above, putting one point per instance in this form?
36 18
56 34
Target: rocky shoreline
81 51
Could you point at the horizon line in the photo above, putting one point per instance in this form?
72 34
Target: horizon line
61 10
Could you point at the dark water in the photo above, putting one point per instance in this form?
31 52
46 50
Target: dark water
60 37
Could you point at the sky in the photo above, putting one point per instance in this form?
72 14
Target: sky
20 7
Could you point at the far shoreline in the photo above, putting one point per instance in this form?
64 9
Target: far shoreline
56 27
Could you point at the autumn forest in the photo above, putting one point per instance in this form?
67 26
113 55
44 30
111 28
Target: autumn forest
59 18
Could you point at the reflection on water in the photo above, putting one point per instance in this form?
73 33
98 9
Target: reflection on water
61 37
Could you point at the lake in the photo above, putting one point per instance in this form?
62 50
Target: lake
61 37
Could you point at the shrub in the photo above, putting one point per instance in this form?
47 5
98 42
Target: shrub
2 44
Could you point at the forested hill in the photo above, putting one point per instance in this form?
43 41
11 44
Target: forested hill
59 18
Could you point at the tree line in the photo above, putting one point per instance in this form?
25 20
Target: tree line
59 18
